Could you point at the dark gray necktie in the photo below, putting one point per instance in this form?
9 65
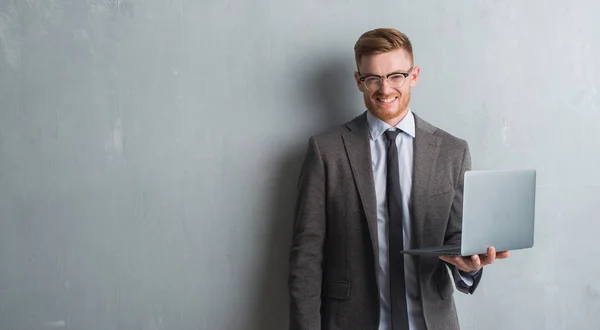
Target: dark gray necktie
396 242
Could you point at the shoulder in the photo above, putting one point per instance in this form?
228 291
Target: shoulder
453 150
449 140
333 136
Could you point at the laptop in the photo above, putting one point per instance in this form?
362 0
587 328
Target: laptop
498 211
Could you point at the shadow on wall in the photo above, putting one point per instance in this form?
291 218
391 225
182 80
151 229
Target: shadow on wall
329 88
333 88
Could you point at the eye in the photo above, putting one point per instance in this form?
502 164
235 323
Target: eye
398 77
372 80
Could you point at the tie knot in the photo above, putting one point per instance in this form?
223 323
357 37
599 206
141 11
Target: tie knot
391 135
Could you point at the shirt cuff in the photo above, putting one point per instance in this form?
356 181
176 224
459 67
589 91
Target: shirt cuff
467 277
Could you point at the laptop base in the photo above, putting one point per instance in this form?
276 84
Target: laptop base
446 250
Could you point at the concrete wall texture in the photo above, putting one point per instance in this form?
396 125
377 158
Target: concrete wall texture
149 150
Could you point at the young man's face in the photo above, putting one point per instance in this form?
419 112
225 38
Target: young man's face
388 100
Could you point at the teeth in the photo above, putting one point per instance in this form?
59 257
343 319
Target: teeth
387 100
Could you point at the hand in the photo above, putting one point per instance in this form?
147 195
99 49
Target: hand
476 262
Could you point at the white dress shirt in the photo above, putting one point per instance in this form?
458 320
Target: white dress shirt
404 143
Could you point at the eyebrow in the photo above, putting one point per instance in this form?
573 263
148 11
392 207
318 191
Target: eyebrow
387 74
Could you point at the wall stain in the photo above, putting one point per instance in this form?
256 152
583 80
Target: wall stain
592 292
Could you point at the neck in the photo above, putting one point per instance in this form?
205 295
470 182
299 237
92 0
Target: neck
393 121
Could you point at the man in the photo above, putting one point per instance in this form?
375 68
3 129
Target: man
385 181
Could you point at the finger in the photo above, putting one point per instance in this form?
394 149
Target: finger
491 256
502 255
475 262
485 258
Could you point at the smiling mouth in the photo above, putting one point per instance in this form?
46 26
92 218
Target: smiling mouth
388 100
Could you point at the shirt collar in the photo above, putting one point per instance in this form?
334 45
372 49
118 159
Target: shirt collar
377 126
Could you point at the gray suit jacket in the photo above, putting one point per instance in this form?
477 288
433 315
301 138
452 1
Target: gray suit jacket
333 256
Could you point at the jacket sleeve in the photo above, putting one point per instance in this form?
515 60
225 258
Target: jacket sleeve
306 252
454 230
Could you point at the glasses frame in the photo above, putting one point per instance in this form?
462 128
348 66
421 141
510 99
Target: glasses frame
382 78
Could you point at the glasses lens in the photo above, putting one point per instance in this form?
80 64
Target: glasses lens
373 83
396 80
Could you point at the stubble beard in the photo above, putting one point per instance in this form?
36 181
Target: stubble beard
384 115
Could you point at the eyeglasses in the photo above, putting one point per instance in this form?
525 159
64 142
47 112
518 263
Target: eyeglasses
394 80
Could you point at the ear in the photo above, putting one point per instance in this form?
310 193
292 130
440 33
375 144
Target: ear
414 76
358 82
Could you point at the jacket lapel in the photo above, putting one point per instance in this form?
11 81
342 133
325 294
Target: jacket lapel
358 149
426 149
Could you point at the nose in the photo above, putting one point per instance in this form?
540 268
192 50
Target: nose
385 87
